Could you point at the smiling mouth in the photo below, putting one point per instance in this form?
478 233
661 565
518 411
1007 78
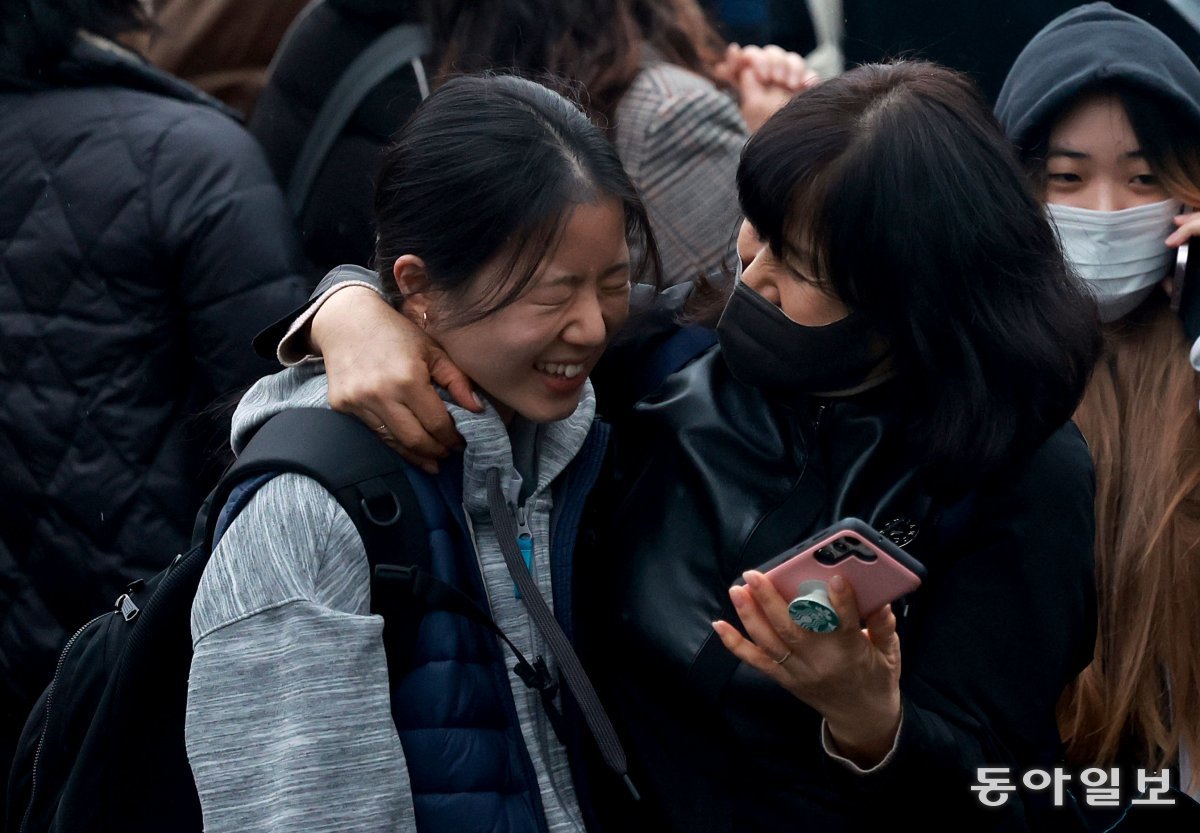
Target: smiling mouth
565 371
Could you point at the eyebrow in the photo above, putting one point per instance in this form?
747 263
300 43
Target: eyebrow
1079 154
573 278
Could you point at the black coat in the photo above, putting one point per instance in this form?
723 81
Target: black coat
143 242
336 221
711 478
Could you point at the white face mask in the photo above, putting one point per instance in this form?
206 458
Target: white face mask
1120 255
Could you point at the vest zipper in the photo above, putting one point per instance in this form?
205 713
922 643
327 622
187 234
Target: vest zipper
524 533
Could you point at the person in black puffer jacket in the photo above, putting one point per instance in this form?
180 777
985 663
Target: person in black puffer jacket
143 242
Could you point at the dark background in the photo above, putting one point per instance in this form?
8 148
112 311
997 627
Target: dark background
979 37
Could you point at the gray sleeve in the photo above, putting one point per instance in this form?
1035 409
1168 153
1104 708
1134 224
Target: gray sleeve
292 332
288 723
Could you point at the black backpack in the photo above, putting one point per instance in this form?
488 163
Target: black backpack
103 748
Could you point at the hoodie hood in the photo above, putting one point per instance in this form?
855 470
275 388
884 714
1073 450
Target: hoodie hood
305 385
1086 47
302 386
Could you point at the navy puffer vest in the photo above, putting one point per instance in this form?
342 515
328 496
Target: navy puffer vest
454 711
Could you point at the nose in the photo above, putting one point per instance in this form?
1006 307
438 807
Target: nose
1107 198
587 327
1113 196
748 244
757 276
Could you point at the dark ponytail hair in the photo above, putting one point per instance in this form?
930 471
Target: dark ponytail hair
491 166
897 185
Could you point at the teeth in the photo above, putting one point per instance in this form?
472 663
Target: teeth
568 370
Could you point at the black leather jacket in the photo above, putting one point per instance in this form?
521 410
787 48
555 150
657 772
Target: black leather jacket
710 478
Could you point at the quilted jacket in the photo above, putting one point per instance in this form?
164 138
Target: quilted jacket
143 242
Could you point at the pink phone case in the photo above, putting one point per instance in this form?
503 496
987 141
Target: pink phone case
876 583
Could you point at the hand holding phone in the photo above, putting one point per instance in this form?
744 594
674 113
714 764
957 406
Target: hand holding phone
878 570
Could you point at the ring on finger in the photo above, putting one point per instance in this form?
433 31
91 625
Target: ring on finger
784 658
382 430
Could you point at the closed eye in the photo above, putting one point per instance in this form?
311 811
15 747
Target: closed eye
615 284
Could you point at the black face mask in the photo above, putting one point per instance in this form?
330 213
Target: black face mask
767 350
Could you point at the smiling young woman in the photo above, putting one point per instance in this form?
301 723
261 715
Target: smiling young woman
293 722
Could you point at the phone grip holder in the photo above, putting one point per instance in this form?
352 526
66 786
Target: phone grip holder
811 609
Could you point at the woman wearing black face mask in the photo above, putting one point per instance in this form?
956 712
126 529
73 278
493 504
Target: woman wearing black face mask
904 348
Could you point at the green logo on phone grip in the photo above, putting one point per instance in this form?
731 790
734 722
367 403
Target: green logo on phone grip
812 610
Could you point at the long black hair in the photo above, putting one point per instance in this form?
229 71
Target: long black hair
490 166
911 205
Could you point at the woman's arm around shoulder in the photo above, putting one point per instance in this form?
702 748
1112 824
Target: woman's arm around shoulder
288 723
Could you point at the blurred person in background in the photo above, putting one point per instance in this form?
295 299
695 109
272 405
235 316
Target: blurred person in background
1105 110
143 241
222 47
653 73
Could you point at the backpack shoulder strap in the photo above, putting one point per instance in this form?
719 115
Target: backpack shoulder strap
389 52
366 477
378 490
370 482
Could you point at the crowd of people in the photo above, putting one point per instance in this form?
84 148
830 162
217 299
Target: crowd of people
642 310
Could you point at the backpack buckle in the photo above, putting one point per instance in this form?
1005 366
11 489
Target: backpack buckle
537 677
398 577
389 514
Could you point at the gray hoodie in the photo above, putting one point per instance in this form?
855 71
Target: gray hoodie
288 722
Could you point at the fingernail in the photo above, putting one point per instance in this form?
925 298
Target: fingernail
837 584
478 401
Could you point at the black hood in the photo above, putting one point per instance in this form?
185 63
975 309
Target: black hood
1088 46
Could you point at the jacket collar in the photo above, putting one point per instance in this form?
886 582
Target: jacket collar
93 61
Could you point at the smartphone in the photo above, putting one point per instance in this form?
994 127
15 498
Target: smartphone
1186 295
878 570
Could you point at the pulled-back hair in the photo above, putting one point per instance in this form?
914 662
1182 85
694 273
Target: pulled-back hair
492 166
35 34
897 185
598 44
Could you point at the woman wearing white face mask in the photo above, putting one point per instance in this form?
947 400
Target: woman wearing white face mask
1105 110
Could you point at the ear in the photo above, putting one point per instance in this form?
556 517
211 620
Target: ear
412 281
